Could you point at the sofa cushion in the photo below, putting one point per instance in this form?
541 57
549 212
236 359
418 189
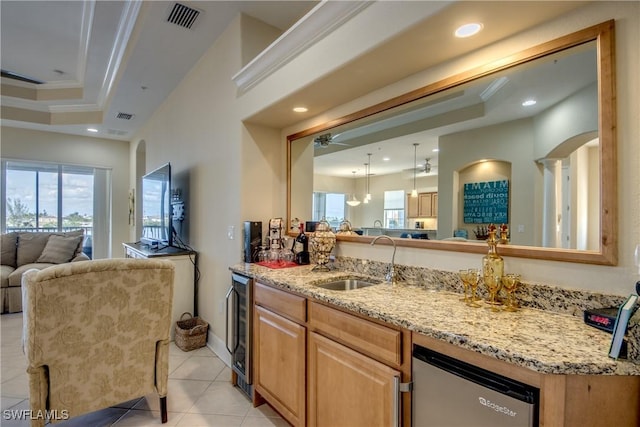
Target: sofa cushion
9 246
60 249
15 278
31 245
5 271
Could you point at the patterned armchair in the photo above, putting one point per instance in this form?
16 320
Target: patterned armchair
96 333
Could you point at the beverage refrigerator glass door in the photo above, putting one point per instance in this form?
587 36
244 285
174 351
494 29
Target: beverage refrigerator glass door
238 330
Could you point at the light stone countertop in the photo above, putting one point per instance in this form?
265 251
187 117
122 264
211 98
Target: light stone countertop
543 341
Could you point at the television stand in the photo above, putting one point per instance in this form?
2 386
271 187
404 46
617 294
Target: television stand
185 284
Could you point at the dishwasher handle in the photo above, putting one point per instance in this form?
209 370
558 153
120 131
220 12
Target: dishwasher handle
398 389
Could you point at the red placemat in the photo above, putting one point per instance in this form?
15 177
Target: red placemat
277 264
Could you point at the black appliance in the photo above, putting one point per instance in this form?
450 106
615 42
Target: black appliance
252 240
238 331
310 226
452 393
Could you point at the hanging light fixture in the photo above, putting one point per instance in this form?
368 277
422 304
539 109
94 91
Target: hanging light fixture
368 196
414 192
366 176
353 201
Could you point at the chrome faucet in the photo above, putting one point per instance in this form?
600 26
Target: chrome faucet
377 223
390 277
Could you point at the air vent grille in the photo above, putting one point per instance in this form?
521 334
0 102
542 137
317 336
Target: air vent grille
124 116
183 16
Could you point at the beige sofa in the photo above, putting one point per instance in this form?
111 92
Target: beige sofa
22 251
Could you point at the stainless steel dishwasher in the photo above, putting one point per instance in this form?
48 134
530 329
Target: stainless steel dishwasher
451 393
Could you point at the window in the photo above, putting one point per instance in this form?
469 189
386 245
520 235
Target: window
329 206
53 197
394 209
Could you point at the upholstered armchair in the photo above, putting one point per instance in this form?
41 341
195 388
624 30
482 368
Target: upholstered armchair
96 333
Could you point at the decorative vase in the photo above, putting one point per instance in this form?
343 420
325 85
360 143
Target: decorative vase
322 243
492 266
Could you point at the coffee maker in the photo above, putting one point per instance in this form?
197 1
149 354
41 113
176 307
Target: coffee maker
252 240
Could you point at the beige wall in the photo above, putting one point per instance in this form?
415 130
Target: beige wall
232 172
619 279
23 144
238 173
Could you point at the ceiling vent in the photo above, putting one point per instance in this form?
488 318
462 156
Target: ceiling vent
183 16
124 116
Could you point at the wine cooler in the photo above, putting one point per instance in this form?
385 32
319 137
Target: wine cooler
238 331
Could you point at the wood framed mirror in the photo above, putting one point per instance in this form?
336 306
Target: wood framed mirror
580 112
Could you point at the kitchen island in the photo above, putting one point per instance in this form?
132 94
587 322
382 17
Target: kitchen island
555 352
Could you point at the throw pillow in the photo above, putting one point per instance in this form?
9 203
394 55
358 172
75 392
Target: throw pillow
31 245
60 249
9 246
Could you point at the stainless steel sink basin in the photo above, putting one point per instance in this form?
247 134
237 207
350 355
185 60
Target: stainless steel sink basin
347 284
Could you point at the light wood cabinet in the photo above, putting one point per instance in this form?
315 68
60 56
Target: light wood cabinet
279 363
348 388
279 343
423 206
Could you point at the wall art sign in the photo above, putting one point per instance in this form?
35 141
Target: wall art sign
486 202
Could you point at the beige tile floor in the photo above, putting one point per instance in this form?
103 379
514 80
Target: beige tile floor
200 392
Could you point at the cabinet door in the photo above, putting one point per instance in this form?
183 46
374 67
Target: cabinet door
412 206
434 205
347 388
279 370
424 204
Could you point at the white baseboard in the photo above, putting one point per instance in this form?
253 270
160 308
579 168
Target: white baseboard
219 347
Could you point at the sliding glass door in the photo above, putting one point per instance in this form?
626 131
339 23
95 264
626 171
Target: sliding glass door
55 197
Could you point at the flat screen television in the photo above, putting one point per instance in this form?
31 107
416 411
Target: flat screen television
156 207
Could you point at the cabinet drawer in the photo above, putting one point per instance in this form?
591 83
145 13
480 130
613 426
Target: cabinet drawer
376 340
284 303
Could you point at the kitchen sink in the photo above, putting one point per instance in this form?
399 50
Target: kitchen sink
348 284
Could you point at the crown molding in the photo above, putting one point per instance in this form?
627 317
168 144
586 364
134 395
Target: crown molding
314 26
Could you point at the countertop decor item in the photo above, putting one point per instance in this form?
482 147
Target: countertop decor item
345 229
492 267
322 244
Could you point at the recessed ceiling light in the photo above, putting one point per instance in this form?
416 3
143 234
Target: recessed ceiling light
468 30
529 103
300 109
386 159
94 130
435 150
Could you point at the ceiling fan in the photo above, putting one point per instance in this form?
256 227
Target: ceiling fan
426 168
326 139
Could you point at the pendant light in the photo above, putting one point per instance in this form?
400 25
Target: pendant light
414 192
368 196
365 199
353 201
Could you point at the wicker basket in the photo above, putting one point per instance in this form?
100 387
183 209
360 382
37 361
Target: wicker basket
191 333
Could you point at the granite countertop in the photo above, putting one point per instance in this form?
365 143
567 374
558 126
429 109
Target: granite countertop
543 341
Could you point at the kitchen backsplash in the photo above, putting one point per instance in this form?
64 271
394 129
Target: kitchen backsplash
529 294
